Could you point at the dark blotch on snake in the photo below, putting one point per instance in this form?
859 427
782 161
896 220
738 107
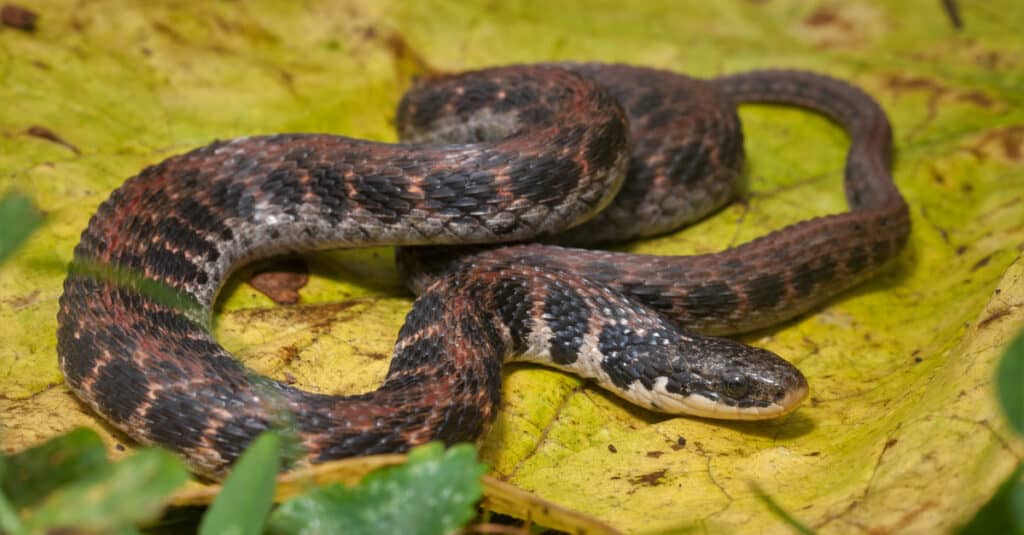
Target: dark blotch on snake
712 299
690 163
428 309
175 266
230 439
368 442
328 185
284 188
178 235
429 103
121 387
601 150
857 260
381 194
765 291
544 178
567 315
201 216
512 300
812 273
617 343
305 157
461 423
174 416
415 354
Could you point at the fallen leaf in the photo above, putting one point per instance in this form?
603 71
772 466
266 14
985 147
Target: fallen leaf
901 432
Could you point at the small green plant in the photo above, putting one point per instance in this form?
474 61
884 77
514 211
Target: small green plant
69 482
1004 513
434 492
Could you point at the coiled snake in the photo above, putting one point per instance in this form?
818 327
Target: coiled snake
493 156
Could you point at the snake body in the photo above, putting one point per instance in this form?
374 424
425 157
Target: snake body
498 155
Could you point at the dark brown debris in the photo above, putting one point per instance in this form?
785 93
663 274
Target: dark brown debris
43 132
953 12
282 281
650 479
18 17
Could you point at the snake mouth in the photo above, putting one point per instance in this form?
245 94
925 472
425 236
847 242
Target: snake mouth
705 407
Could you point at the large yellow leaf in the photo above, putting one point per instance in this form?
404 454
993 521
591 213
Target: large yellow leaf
901 432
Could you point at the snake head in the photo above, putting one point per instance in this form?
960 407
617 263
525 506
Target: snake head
719 378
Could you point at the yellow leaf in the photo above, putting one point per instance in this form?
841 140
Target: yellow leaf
901 432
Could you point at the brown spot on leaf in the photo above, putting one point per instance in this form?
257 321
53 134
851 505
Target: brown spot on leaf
22 301
282 281
936 91
43 132
650 479
978 98
1006 143
288 354
655 454
981 263
611 448
1002 313
170 32
18 17
901 83
823 16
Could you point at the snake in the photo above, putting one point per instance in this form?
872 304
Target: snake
503 181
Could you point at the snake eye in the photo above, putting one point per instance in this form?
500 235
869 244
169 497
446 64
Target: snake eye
735 384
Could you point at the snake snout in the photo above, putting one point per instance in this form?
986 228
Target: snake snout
761 385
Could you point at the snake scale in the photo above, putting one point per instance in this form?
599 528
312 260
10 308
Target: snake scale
521 154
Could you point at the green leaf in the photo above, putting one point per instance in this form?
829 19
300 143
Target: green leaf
784 515
18 218
124 494
1004 513
9 521
1009 378
243 504
432 493
34 473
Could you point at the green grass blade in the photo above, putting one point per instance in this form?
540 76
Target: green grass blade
784 515
18 218
1010 383
241 507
